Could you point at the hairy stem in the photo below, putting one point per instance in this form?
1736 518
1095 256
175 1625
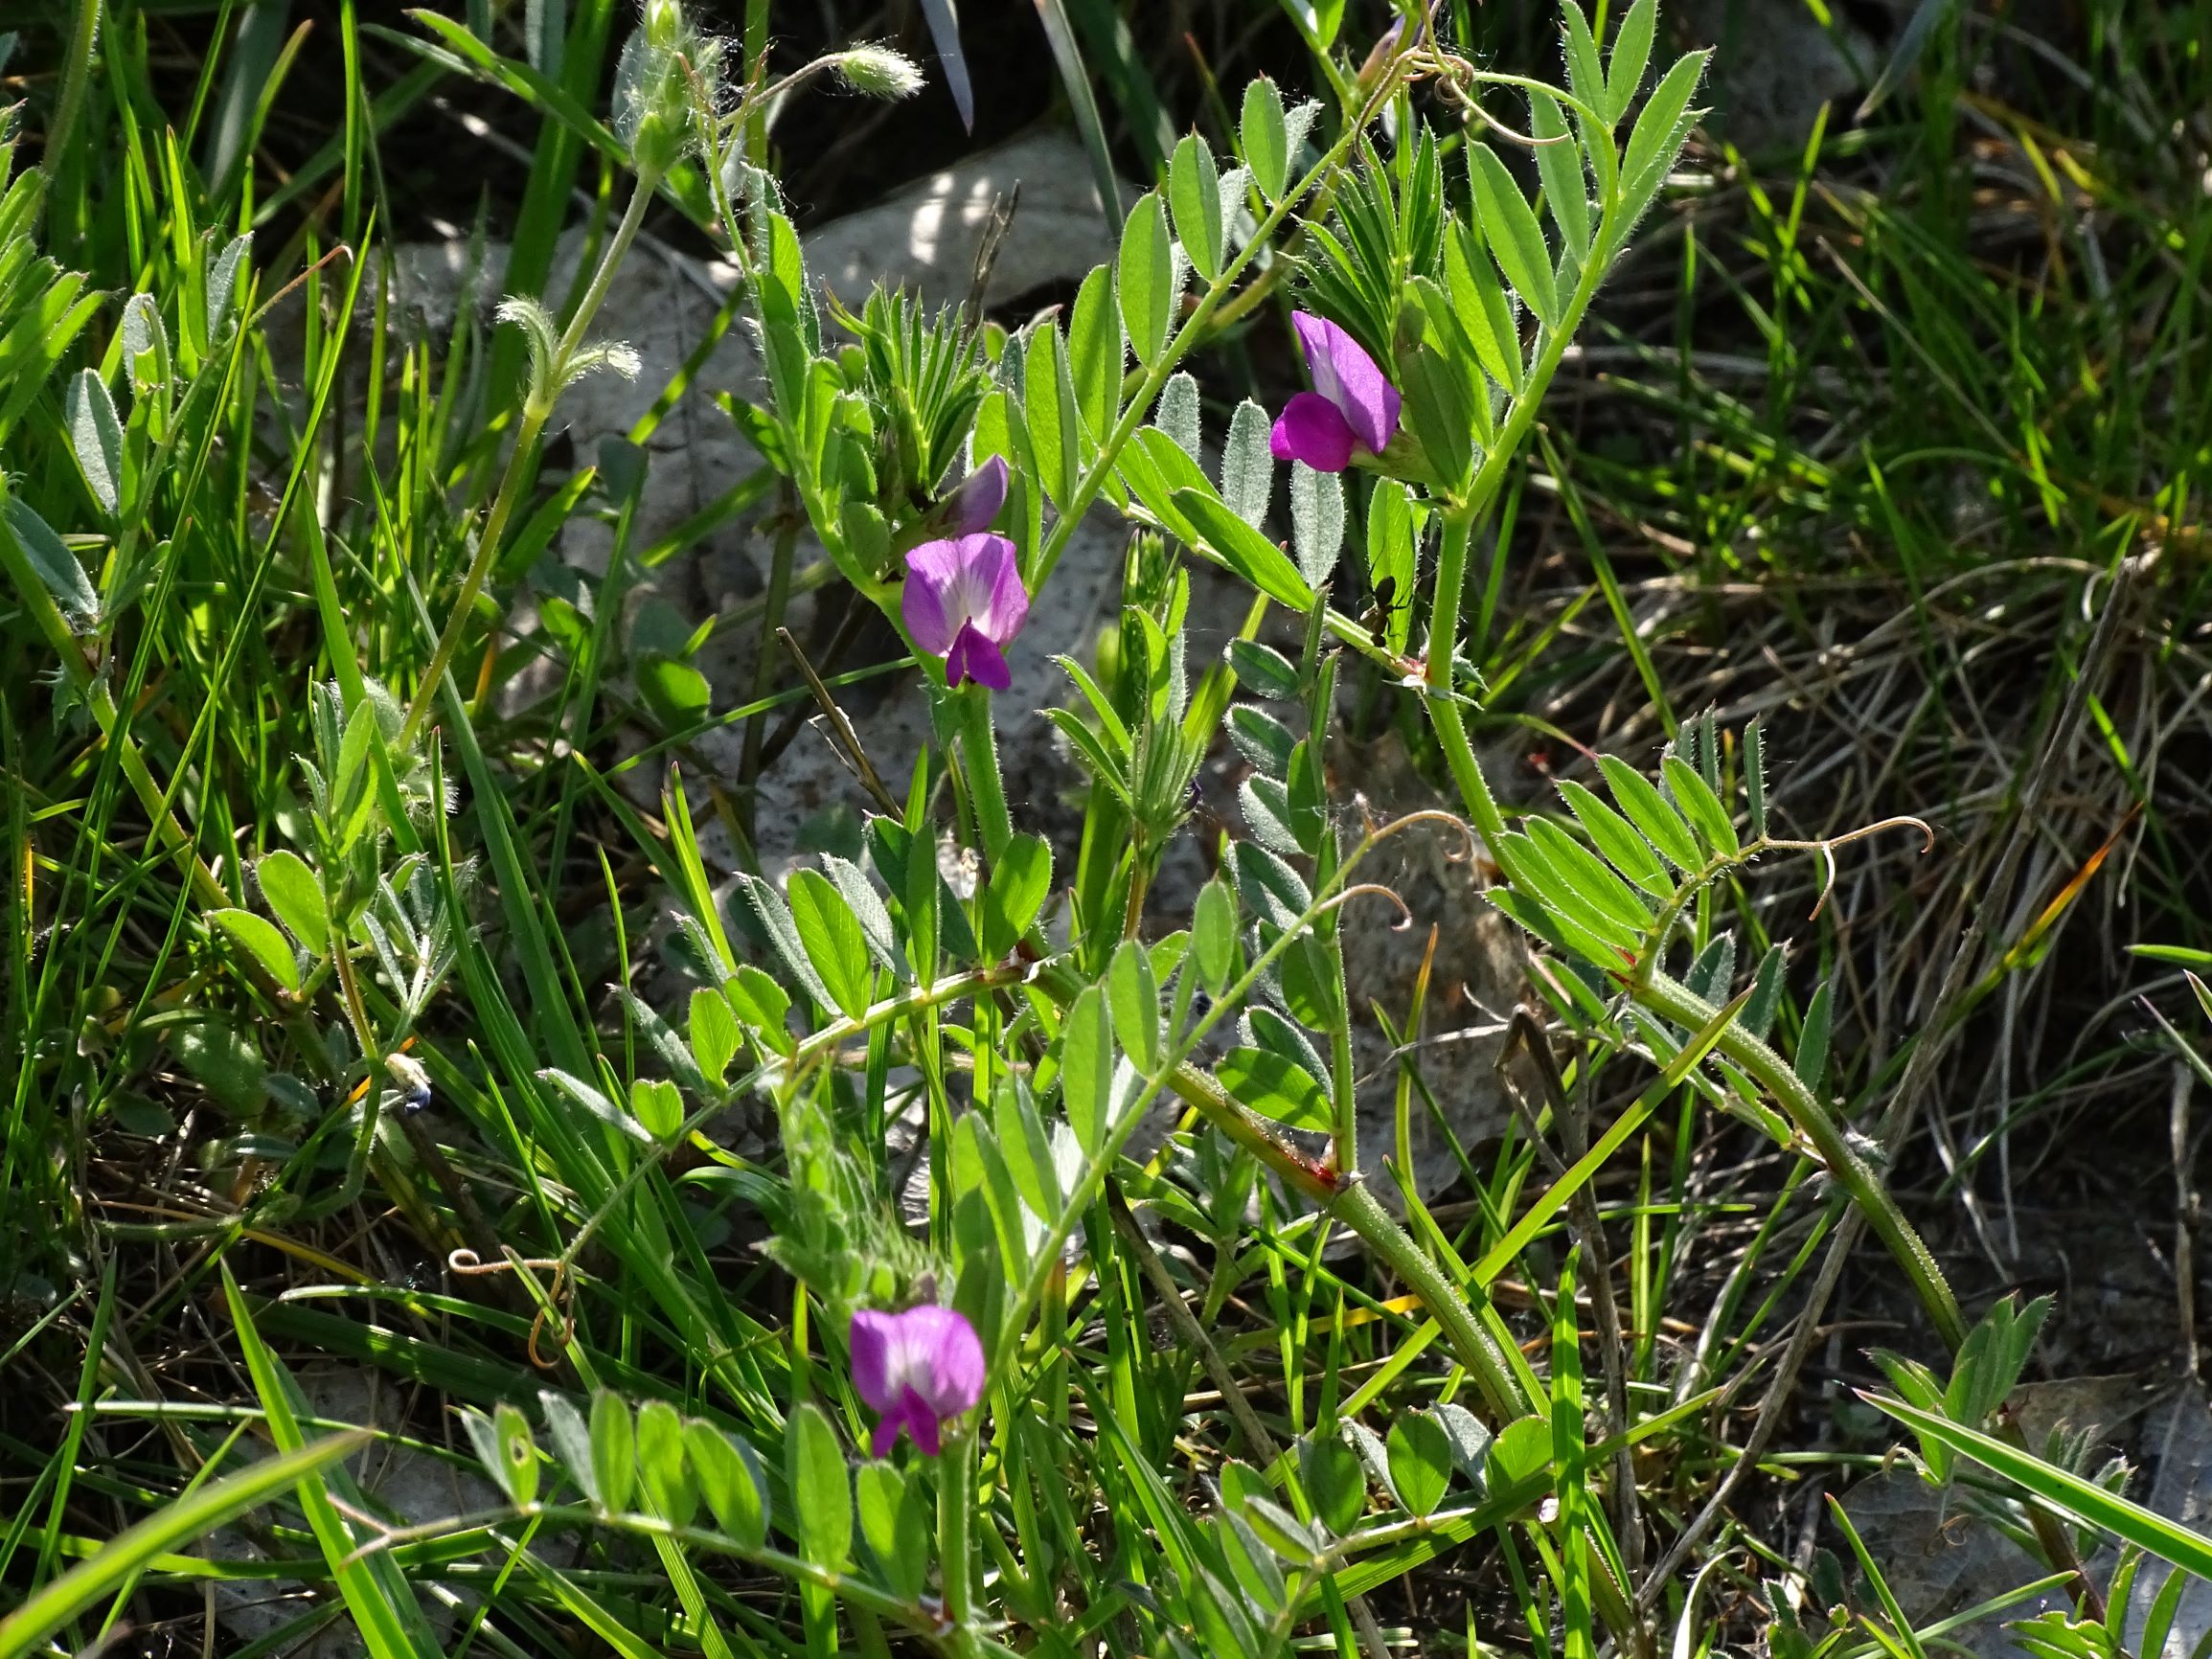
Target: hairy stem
537 410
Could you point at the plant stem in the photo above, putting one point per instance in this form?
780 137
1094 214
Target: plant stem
955 1497
987 787
537 410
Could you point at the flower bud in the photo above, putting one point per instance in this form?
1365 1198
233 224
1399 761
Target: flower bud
653 91
973 506
878 72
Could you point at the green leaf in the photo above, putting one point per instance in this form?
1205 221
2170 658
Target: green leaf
1758 1014
895 1522
657 1105
1248 465
1276 1087
814 1466
1086 1068
1521 1452
1015 893
1585 79
51 563
730 1480
775 918
1135 999
1534 870
1265 671
1096 352
1700 805
2128 1521
517 1465
1812 1065
590 1098
1420 1460
1267 143
175 1526
1317 521
571 1440
715 1035
291 889
1214 935
762 1006
1049 405
1177 414
1647 810
1616 838
1336 1482
96 435
1591 878
260 939
1755 779
1656 139
831 934
868 910
1026 1148
1194 189
1509 228
222 281
664 1472
1145 273
1245 550
613 1450
1440 408
1560 165
1481 307
676 693
1631 54
1262 739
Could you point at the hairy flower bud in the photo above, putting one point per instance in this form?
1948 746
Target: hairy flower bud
878 72
654 95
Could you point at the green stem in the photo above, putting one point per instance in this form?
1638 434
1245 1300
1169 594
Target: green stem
537 410
987 787
1673 1001
955 1497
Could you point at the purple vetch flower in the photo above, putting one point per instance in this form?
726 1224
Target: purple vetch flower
916 1369
1352 404
973 506
964 602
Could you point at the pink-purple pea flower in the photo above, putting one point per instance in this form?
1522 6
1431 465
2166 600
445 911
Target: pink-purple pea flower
916 1369
1353 405
964 602
973 506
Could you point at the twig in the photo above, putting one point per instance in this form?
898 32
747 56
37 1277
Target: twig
2184 1217
841 728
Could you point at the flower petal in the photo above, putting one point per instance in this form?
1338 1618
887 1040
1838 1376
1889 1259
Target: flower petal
921 1423
874 1345
949 1373
1344 373
1006 608
926 604
973 657
1314 430
976 502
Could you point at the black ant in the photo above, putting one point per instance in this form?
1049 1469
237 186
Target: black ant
1386 605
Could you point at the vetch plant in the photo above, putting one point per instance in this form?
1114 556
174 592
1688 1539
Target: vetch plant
915 1141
